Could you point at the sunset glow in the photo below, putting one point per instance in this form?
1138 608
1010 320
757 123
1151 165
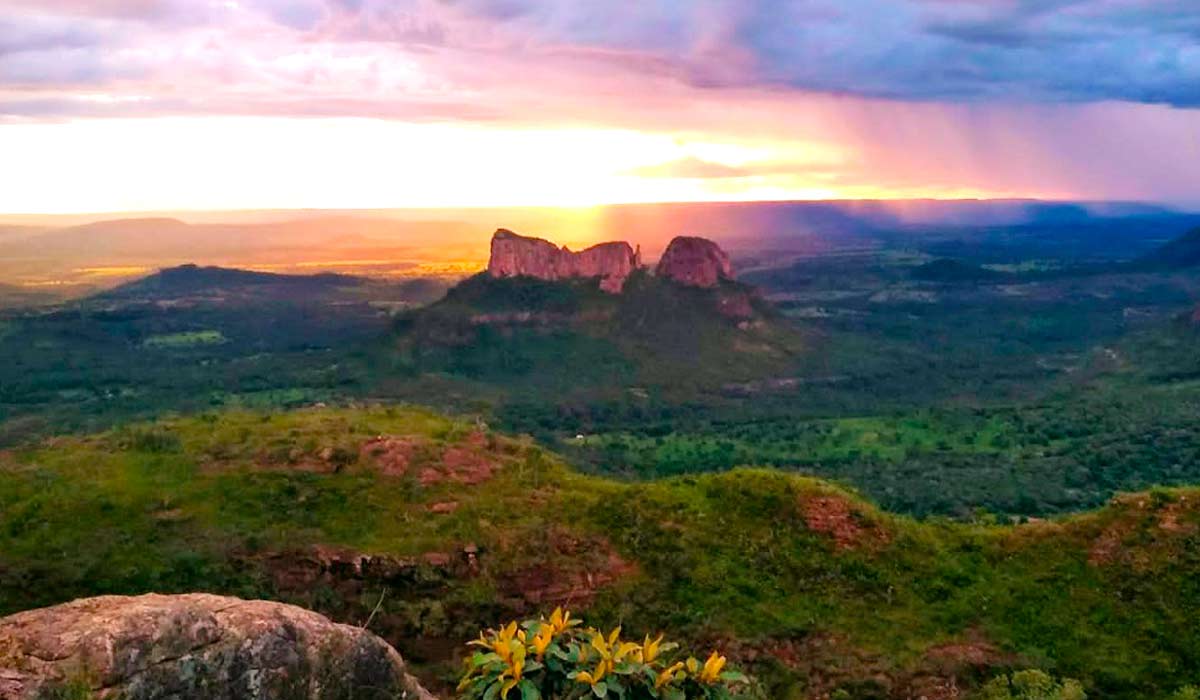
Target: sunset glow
236 163
133 105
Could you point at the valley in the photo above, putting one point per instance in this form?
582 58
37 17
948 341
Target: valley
877 472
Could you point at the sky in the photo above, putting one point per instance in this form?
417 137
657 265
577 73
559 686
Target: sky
138 105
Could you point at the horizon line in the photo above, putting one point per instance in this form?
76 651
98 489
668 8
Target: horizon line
10 218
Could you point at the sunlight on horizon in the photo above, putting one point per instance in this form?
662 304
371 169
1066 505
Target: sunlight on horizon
199 164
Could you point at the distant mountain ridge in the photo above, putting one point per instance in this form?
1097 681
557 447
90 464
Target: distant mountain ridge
191 277
228 284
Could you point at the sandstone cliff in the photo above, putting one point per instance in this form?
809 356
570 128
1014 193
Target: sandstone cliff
514 255
694 261
197 646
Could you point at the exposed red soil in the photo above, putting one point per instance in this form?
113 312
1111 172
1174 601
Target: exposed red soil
837 517
829 662
1167 518
933 688
468 463
825 661
392 454
1107 546
571 576
444 507
298 460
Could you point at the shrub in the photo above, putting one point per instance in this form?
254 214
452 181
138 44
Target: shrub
1031 685
558 659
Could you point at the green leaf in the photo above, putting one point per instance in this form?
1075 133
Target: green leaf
492 691
600 689
529 691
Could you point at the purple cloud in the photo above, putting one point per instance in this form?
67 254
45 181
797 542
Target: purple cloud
556 56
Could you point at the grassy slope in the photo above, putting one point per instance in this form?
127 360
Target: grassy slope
199 503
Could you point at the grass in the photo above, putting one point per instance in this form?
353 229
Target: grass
734 559
185 340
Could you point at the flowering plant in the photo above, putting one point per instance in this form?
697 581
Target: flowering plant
559 659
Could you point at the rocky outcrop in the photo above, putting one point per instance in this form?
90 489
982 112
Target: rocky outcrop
514 255
695 261
196 646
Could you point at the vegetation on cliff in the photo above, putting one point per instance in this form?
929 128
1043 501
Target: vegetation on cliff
445 527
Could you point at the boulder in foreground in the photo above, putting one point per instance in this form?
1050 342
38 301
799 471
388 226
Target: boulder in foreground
195 646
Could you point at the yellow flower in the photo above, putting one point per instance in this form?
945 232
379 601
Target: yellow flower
541 640
650 649
561 620
667 675
514 672
625 649
711 673
595 676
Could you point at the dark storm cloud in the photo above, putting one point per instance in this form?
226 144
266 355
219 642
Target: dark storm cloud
914 50
962 50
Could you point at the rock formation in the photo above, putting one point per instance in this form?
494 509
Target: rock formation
694 261
514 255
196 646
688 260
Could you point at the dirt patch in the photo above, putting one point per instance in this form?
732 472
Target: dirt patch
972 652
1161 523
830 663
468 463
1169 518
826 662
837 517
933 688
580 568
392 455
1108 545
444 508
323 460
350 572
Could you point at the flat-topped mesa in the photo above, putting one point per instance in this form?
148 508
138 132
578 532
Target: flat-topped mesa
514 255
694 261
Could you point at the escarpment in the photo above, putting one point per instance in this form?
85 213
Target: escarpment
688 260
695 261
514 255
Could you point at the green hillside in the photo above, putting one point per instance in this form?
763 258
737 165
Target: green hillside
447 526
527 333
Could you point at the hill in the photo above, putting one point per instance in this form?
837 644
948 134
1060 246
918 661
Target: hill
570 335
447 527
222 284
1180 253
542 317
189 280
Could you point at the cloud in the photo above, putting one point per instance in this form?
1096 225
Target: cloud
971 51
691 168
